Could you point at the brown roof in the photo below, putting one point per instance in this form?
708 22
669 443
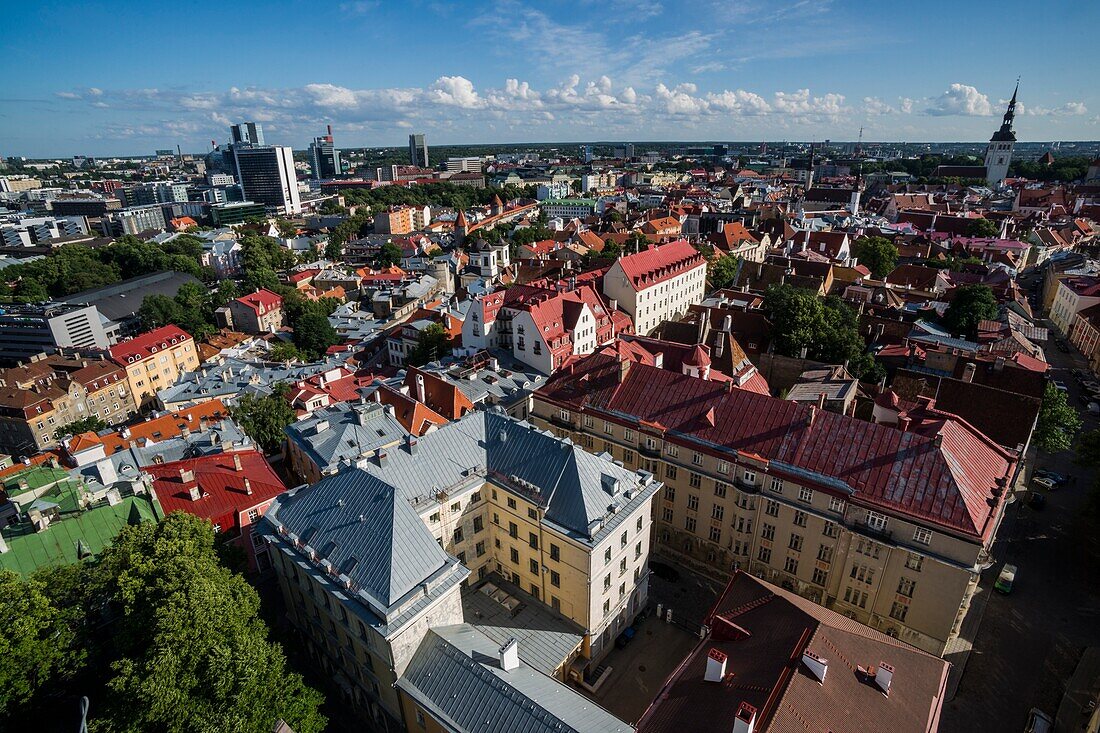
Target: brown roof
762 633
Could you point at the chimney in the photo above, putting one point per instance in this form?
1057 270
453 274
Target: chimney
999 364
727 324
716 666
383 459
248 487
186 476
236 462
420 389
817 666
968 371
509 655
624 367
903 423
194 493
884 675
821 397
410 445
745 722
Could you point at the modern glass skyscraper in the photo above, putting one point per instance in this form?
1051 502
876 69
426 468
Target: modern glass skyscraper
418 151
247 133
324 158
266 175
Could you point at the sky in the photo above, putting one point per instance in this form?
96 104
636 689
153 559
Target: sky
125 78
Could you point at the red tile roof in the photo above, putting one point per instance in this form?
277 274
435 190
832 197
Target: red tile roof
943 473
659 263
147 344
262 301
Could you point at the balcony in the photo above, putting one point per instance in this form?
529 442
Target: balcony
561 422
742 485
652 452
873 530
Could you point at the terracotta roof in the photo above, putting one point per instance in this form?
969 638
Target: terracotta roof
760 633
659 263
442 397
262 301
159 428
943 475
415 417
147 344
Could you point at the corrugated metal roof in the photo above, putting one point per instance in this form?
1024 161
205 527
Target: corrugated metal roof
456 675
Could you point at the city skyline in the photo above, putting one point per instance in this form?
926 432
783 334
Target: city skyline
514 72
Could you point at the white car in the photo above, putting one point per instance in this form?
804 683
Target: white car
1044 483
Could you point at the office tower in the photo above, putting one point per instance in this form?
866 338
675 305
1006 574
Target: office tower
266 175
324 157
587 153
418 151
247 133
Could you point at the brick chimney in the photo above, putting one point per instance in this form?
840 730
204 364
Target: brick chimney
236 462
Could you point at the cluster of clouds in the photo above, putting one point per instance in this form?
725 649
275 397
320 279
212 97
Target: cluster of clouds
455 102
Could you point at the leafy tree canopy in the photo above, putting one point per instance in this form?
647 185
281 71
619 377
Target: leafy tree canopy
970 305
722 271
263 418
432 345
877 254
982 228
1058 422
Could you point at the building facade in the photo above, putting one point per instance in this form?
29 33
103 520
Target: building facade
418 151
26 330
657 284
154 360
998 154
266 175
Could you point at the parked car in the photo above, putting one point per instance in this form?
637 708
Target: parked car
1039 722
625 638
1005 580
1043 483
1036 500
1046 473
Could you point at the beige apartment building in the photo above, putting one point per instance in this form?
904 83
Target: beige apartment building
889 527
656 284
154 360
477 505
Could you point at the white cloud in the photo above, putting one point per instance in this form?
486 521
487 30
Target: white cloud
456 91
331 96
1069 109
960 99
874 106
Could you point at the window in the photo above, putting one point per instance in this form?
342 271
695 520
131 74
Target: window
717 511
479 524
420 718
855 597
819 577
672 450
555 579
532 513
835 504
555 603
670 471
434 518
511 503
607 556
666 514
606 607
876 521
456 507
670 493
689 524
479 549
555 552
693 502
806 495
461 557
772 508
898 611
637 550
534 567
906 587
795 543
765 555
791 565
458 534
695 481
777 485
639 523
750 477
513 553
253 515
607 581
922 535
767 531
863 574
800 518
588 421
607 428
914 561
824 553
628 435
564 415
622 540
723 467
716 534
533 540
720 489
831 529
622 567
513 530
697 459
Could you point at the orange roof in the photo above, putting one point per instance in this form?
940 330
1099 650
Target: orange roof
441 396
167 426
416 417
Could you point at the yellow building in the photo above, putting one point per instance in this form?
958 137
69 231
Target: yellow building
154 360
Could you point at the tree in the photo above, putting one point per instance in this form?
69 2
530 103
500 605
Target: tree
193 652
433 344
722 272
263 418
982 228
313 334
35 644
970 305
284 351
635 242
1058 422
389 254
287 229
87 424
877 254
334 250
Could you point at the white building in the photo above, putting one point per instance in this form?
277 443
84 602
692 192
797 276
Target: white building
471 164
657 284
1074 295
568 208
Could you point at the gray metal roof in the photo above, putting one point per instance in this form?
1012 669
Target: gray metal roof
358 525
233 377
344 432
581 493
456 675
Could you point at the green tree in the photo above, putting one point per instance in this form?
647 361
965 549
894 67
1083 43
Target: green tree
722 271
263 418
287 229
635 242
193 652
313 334
982 228
388 254
86 424
36 643
1058 422
433 344
284 351
159 310
877 254
970 305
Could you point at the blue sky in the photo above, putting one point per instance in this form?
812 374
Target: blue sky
124 77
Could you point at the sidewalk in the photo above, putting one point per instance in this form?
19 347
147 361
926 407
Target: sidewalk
1081 690
957 651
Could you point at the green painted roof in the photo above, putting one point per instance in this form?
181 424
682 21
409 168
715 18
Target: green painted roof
92 529
35 476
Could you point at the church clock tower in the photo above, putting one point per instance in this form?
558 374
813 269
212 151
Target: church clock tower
999 152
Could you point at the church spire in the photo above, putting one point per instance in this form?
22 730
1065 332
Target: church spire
1006 133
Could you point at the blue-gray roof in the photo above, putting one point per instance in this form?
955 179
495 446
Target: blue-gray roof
344 432
358 525
456 676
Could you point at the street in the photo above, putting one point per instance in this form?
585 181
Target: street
1030 641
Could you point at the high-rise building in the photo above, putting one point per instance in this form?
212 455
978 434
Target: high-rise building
418 151
247 133
324 157
998 154
266 174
